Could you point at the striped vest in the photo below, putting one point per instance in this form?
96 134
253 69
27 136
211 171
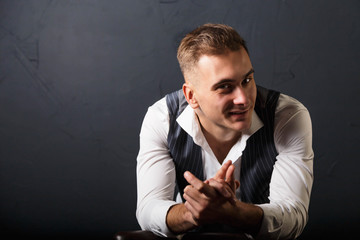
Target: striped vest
257 159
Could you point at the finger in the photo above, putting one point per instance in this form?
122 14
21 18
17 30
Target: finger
224 189
220 187
193 181
222 171
198 184
193 212
190 201
193 193
192 204
230 179
229 175
237 184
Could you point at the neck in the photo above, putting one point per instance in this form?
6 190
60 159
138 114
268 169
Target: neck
221 137
218 133
220 140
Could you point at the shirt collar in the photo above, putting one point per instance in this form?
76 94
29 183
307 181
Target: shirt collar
189 122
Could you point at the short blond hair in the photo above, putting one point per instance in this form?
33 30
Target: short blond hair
208 39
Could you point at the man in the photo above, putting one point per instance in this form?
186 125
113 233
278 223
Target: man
239 155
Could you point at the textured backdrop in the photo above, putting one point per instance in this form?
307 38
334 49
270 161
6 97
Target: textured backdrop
76 78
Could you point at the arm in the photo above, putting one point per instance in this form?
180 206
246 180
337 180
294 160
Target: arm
179 219
286 215
155 171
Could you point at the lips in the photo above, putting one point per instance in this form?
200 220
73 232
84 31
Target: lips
238 112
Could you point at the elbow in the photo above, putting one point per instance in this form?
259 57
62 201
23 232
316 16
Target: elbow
302 221
299 217
143 223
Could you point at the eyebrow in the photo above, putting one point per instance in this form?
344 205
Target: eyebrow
231 80
250 72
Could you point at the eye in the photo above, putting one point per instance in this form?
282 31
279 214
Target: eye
225 86
246 80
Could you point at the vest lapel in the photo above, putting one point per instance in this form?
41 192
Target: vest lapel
185 153
259 156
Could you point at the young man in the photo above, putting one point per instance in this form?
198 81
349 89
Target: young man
237 156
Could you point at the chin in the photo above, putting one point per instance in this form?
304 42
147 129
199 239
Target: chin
241 126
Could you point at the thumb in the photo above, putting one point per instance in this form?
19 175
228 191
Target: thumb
237 184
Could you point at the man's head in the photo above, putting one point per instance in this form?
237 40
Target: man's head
208 39
219 79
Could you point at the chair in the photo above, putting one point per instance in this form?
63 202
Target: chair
147 235
139 235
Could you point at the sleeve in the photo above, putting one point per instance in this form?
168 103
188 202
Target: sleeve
287 213
155 171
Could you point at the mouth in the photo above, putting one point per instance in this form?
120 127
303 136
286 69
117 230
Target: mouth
238 112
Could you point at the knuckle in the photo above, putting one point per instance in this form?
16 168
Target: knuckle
204 204
196 216
222 181
201 187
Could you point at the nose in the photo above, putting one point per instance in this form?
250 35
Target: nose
240 96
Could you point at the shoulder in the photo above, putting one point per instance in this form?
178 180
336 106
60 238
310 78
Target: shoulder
157 113
292 124
172 103
288 110
159 107
156 121
174 99
288 106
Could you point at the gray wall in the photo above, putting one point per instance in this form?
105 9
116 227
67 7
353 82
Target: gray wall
76 78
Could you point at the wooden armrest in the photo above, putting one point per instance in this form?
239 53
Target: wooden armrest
139 235
214 236
148 235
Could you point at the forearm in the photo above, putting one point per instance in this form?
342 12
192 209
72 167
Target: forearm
179 219
245 217
282 221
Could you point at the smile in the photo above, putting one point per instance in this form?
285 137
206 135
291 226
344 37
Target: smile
238 112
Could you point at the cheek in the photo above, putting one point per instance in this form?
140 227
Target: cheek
253 98
215 106
253 92
220 100
224 104
214 102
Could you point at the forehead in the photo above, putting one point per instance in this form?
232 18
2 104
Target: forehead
233 64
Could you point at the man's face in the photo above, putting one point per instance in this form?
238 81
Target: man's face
225 92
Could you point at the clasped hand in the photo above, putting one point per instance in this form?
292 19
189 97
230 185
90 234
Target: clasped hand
213 200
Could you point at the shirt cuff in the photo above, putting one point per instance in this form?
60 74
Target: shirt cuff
271 224
159 213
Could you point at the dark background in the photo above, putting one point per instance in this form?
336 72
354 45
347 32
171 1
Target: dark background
76 78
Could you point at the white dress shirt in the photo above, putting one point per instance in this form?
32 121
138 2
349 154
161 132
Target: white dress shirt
291 181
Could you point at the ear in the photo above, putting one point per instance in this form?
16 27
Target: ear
188 90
